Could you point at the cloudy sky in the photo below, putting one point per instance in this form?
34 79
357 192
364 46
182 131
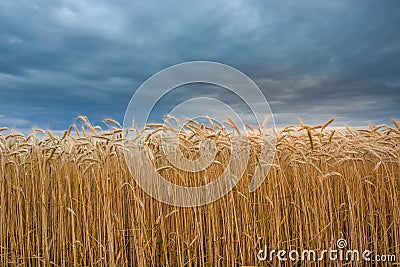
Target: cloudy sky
314 59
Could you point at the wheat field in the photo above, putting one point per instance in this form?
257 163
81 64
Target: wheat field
70 200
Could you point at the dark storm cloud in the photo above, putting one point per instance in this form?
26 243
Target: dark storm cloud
315 59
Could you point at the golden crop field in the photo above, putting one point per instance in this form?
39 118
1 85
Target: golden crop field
70 200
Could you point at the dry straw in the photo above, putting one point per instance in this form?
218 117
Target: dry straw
71 201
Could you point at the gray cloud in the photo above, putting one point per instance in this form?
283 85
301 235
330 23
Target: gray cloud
316 59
